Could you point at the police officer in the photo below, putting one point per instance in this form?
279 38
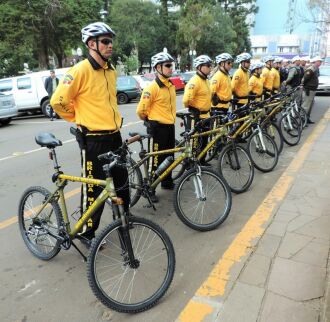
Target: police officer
275 71
255 81
87 96
197 94
157 107
310 83
267 76
240 80
221 83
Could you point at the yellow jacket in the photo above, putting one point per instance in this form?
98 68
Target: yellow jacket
221 86
86 95
255 86
197 94
276 78
240 85
267 78
158 102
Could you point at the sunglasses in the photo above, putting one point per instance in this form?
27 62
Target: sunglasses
229 62
168 65
106 41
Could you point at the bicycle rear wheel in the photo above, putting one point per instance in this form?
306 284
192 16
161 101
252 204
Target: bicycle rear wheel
263 151
236 166
36 230
290 130
135 181
117 283
180 168
202 200
272 129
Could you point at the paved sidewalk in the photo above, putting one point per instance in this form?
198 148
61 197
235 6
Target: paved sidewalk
280 274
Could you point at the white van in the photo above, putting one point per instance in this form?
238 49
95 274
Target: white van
29 90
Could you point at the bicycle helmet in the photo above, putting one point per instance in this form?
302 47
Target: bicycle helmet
243 57
295 58
305 58
268 58
256 66
202 59
315 59
223 57
95 29
278 60
161 58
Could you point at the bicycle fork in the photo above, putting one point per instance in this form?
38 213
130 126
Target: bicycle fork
198 185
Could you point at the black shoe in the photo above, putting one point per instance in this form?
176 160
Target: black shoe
167 185
310 122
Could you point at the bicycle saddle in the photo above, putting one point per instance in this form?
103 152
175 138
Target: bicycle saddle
142 135
48 140
182 115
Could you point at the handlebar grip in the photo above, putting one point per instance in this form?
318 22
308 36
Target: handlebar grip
105 156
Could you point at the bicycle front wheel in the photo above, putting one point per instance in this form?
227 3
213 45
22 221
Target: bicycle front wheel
202 199
125 285
235 165
263 151
272 129
38 230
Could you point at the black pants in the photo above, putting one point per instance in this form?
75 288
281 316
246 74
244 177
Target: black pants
163 137
92 168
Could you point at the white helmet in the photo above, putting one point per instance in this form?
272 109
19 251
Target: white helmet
95 29
316 58
242 57
256 66
268 58
160 58
223 57
295 58
278 60
202 59
305 58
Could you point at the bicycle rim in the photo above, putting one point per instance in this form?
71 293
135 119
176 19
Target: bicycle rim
238 172
35 229
290 130
121 287
203 209
273 131
263 151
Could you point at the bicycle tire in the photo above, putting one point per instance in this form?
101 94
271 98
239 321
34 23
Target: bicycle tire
303 115
135 181
212 210
272 129
263 160
229 169
291 134
43 246
115 252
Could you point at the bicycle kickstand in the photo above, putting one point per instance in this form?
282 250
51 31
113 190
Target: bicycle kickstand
79 251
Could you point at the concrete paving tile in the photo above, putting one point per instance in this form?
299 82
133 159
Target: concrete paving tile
313 254
295 280
268 245
292 243
243 304
324 241
299 222
277 228
285 216
280 309
256 270
319 227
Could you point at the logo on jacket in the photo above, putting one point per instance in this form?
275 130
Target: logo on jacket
67 80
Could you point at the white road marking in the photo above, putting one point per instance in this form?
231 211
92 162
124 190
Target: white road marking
27 286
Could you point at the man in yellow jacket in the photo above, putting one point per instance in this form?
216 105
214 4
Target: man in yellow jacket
240 80
197 93
255 81
221 83
87 96
276 74
267 77
157 107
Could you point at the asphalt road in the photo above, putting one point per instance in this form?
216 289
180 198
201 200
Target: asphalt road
58 290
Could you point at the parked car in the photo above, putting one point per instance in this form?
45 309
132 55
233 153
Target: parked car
324 80
8 108
176 79
143 81
187 75
127 89
29 91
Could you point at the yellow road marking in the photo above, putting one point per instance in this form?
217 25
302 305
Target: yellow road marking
216 282
13 220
